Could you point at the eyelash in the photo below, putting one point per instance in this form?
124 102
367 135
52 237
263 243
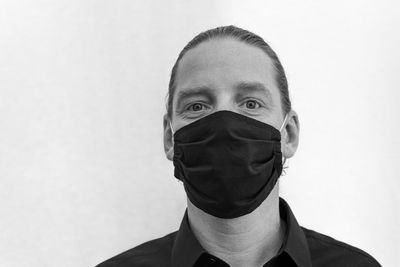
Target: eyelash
191 105
203 106
258 104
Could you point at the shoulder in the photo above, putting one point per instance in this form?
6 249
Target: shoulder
324 249
150 253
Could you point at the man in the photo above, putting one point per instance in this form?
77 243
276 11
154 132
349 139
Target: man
229 128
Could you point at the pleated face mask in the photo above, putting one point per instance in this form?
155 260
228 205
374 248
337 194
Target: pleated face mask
229 163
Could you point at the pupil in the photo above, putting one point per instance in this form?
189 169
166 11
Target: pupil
196 107
250 104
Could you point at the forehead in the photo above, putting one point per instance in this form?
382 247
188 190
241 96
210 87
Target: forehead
223 62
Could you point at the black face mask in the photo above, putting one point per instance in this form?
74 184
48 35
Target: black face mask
229 163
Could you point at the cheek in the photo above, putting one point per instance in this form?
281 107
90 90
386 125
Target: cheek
178 123
274 119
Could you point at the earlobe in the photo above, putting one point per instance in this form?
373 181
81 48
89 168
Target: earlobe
168 138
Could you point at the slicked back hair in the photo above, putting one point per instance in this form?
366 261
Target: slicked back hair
245 37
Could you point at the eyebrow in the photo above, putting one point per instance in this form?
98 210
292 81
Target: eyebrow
204 91
254 87
242 88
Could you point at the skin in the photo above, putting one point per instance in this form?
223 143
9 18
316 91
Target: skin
227 74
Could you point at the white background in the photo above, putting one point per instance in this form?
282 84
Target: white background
83 174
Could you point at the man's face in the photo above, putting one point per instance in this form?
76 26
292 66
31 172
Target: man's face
225 74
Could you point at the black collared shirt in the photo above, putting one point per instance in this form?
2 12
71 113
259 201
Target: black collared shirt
301 247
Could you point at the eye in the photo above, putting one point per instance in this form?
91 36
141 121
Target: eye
196 107
252 104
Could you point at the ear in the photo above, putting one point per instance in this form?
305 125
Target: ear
290 135
168 138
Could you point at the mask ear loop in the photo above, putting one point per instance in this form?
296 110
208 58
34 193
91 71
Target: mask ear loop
170 126
283 158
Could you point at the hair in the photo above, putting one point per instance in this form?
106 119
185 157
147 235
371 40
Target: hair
240 35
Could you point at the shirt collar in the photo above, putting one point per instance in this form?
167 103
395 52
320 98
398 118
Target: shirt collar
186 249
295 243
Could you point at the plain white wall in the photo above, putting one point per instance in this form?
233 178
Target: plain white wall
83 174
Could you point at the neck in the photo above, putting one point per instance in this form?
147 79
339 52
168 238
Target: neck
249 240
